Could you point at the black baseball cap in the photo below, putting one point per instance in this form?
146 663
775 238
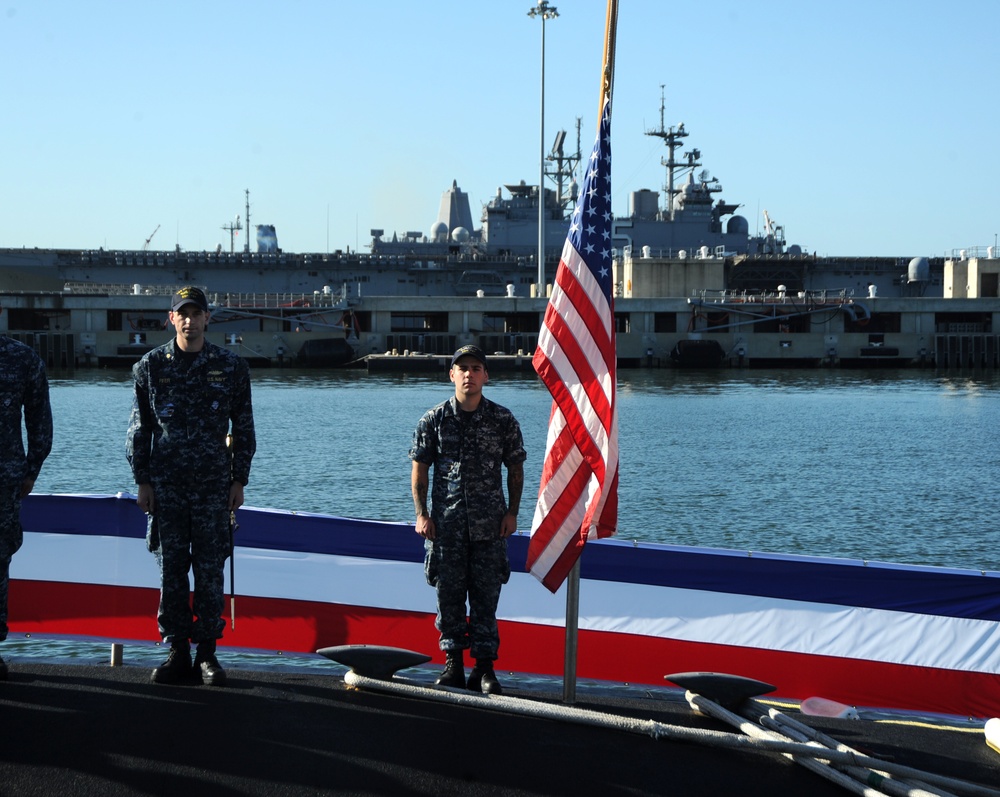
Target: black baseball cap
189 295
469 351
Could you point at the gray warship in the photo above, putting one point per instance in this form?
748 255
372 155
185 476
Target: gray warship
455 257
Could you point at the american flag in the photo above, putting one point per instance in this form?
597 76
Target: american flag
575 358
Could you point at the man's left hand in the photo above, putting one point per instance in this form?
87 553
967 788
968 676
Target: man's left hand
508 525
235 496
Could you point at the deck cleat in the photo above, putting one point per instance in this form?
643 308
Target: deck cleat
374 661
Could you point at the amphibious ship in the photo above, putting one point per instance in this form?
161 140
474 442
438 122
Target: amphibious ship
692 286
455 257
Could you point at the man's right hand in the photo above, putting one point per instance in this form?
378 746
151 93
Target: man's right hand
146 499
425 527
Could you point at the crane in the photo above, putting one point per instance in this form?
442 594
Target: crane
774 235
145 246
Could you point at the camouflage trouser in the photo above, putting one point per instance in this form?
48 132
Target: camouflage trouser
11 537
458 567
193 529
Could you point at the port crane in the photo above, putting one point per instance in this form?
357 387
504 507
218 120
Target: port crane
145 246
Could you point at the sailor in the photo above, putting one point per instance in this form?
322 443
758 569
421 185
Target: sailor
23 385
467 439
189 395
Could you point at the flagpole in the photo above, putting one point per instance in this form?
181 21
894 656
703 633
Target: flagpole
572 628
573 579
608 67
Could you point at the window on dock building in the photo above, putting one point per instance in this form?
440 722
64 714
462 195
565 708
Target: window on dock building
664 322
28 318
505 323
717 322
945 323
419 322
879 322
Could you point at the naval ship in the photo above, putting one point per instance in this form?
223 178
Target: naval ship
692 286
497 256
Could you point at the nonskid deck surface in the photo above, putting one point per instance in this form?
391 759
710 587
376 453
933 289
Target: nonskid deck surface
86 729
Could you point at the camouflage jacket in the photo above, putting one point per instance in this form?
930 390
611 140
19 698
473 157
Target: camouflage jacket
23 384
467 456
181 416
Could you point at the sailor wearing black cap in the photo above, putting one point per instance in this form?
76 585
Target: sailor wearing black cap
189 395
467 440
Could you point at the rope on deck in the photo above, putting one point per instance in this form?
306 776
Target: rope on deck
766 742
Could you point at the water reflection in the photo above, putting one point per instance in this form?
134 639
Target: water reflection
879 465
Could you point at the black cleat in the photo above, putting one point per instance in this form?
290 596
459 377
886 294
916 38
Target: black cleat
208 666
177 667
454 671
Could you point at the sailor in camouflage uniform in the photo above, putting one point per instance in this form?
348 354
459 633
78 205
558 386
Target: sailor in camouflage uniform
22 384
467 440
188 394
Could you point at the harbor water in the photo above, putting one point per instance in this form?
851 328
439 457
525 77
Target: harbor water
894 466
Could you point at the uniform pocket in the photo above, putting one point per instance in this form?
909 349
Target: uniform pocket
152 534
431 567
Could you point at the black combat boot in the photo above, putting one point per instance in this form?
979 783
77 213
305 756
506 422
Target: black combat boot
208 666
484 679
177 667
454 671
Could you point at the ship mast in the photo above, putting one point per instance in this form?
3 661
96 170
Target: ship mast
565 167
233 227
246 244
672 140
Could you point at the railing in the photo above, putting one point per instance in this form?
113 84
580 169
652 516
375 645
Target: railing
118 289
340 299
970 252
775 297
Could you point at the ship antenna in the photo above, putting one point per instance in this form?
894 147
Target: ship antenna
246 245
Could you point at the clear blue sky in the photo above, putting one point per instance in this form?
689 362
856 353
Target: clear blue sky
865 127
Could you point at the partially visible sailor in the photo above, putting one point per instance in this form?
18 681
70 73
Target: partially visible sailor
24 387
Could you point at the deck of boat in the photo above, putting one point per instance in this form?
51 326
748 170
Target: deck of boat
82 729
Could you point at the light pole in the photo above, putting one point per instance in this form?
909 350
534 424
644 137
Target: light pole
544 11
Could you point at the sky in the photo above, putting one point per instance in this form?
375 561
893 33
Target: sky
863 127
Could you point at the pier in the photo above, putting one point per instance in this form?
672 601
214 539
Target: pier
779 327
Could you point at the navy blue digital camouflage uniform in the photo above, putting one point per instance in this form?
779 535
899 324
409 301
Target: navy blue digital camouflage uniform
467 558
23 385
181 415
